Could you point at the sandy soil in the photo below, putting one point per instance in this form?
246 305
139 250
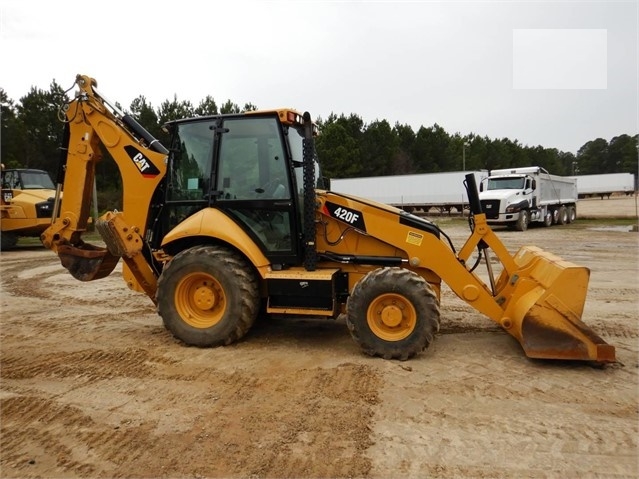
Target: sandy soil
93 386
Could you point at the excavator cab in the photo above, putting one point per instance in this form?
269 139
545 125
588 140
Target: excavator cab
246 166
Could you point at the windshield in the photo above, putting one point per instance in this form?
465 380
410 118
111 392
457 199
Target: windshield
252 162
27 180
506 183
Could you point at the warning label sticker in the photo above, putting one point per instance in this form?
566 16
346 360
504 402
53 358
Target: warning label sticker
414 238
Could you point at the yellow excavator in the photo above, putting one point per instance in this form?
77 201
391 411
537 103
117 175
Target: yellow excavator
232 221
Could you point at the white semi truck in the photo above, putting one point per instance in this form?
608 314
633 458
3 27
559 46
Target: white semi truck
516 197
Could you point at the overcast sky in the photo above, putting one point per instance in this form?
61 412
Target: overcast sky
549 73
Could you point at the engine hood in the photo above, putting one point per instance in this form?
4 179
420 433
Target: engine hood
32 196
511 195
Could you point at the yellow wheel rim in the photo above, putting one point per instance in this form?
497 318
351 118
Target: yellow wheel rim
391 317
200 300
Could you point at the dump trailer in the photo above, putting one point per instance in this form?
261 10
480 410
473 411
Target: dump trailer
26 204
232 220
516 197
419 194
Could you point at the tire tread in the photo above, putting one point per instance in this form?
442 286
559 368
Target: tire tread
396 280
246 283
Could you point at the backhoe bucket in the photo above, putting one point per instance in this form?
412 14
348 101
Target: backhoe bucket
544 309
87 262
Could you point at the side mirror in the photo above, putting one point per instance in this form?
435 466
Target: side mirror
481 187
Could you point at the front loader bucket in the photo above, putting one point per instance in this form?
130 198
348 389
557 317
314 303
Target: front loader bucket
87 262
545 306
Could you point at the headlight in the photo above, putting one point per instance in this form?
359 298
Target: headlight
513 209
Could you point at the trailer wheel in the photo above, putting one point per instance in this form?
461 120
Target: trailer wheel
523 221
572 214
208 296
563 215
548 218
393 313
8 240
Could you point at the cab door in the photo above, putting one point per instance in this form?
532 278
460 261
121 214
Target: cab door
255 185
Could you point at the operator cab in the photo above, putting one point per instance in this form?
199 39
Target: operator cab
26 179
248 166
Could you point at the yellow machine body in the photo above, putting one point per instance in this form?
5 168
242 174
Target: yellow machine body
210 267
26 204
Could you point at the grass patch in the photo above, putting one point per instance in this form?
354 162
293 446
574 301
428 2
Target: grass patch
88 237
605 221
28 241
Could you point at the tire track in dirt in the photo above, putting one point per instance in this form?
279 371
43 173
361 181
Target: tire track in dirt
27 424
86 364
303 420
617 328
84 327
217 415
49 281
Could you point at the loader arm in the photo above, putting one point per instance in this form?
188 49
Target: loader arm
92 123
538 298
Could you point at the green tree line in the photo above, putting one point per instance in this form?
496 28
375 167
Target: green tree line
31 134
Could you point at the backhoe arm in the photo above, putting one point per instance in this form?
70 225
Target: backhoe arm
92 123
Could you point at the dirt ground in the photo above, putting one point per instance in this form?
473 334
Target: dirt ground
92 385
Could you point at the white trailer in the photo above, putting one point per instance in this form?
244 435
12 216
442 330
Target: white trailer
605 184
413 193
516 197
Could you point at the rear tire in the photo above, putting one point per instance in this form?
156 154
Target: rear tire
8 241
563 216
572 214
548 218
393 313
208 296
523 221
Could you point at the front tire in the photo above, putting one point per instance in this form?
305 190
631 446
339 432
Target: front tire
523 221
393 313
208 296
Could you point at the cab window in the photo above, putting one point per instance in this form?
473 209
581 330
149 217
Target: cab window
190 168
252 164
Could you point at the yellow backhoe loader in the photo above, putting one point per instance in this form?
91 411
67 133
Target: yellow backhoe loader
231 221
